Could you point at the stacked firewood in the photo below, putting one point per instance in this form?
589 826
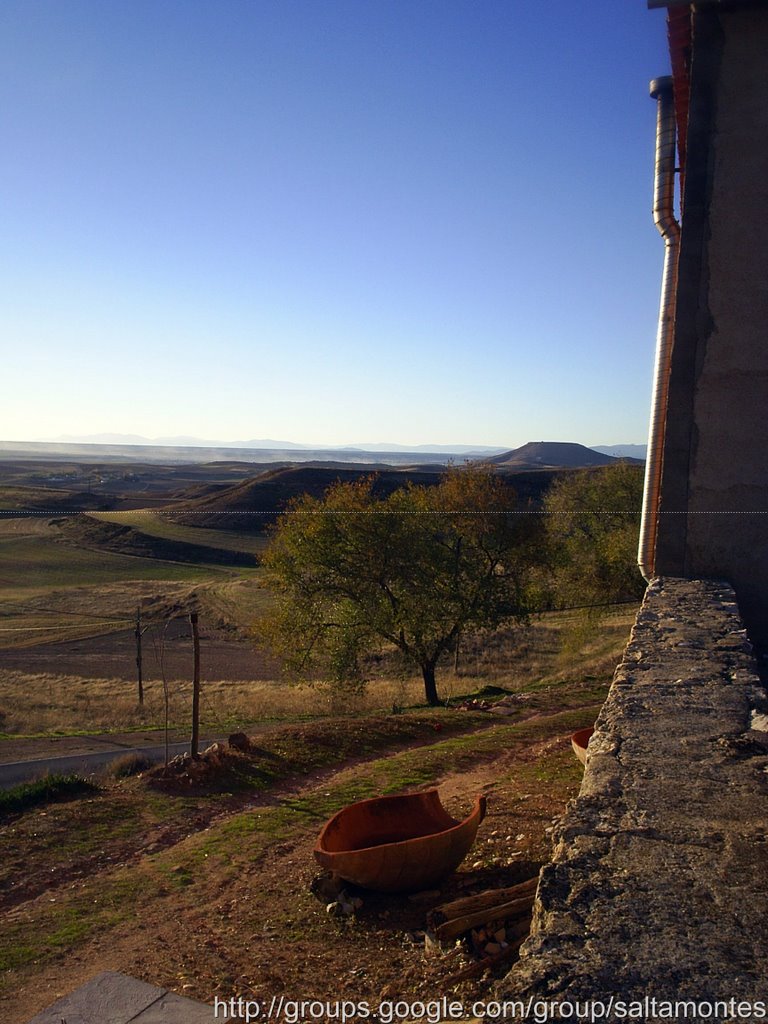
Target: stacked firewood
493 924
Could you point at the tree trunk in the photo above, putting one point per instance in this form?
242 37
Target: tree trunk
430 689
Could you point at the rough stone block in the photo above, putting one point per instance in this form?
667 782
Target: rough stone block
657 883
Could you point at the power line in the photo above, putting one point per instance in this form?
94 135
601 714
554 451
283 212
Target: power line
27 629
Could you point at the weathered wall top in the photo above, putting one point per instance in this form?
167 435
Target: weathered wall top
657 886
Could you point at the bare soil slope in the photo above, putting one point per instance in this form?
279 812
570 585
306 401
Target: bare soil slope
218 901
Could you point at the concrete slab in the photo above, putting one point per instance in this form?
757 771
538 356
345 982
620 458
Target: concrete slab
114 998
173 1009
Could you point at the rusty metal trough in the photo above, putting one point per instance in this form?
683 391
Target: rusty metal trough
397 843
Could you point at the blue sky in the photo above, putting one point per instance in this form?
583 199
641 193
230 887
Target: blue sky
329 221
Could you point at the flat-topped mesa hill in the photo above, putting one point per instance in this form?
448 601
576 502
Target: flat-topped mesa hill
554 455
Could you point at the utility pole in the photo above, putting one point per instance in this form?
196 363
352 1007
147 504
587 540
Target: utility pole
195 686
138 657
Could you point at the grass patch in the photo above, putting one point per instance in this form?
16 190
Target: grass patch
557 769
69 838
155 524
392 774
65 924
46 562
46 790
121 538
47 704
303 749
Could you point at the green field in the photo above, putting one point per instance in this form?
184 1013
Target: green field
164 526
35 563
52 589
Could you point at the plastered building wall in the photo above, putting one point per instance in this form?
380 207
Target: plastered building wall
716 451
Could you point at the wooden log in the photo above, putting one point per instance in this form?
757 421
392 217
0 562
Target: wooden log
488 898
498 912
477 970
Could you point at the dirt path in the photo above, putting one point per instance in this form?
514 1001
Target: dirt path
240 918
36 748
40 748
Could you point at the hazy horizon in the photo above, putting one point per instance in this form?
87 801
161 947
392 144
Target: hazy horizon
128 440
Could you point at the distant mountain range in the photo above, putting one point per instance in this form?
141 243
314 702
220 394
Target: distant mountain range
270 444
620 451
122 448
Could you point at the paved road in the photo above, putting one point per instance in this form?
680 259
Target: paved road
15 772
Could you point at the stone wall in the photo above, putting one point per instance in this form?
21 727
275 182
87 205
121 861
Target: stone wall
657 886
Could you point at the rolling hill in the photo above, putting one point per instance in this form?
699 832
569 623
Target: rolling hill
253 504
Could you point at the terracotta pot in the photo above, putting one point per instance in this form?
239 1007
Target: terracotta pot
397 843
580 742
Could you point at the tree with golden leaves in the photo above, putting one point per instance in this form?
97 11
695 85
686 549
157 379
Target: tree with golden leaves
353 572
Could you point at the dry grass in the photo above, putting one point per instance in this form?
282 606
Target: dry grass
73 613
76 612
45 703
550 648
518 659
129 764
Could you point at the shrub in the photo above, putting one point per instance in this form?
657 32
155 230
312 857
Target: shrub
43 791
129 764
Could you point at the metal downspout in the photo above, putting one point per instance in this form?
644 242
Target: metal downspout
664 219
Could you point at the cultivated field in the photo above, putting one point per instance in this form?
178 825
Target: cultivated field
60 701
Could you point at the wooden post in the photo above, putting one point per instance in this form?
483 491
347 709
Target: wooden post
195 686
458 631
138 657
166 694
